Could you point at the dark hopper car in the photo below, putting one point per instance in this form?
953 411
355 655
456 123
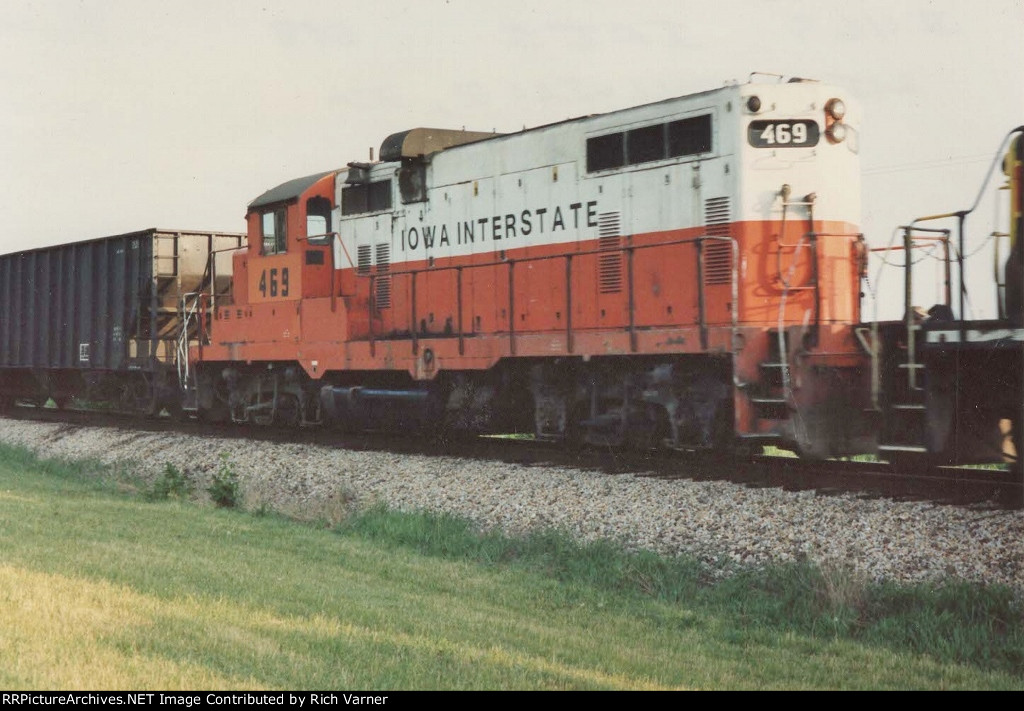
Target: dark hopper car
101 320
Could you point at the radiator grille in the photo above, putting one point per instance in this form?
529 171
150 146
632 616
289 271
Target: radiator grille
383 281
609 265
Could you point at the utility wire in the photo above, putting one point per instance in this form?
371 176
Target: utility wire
951 162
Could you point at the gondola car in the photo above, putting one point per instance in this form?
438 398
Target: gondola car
99 320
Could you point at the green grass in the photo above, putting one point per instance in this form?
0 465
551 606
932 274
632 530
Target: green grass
100 588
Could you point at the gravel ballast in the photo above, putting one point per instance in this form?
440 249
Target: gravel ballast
714 520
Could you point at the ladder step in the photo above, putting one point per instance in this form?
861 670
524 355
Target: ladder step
902 448
770 408
773 374
911 365
768 400
911 407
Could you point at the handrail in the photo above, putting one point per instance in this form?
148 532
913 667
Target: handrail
189 312
996 264
961 217
701 306
942 238
211 268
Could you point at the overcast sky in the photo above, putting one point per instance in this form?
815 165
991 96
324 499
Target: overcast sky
119 115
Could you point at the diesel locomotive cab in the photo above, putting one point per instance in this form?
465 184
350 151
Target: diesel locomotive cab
288 259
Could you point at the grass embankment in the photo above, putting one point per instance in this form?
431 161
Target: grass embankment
100 588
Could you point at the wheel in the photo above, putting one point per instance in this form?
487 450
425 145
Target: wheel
216 414
287 413
176 412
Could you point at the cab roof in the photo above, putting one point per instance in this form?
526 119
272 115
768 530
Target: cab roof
288 191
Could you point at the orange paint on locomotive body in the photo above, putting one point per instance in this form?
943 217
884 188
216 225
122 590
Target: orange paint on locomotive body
381 298
547 320
320 335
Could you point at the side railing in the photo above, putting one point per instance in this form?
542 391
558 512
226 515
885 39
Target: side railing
915 239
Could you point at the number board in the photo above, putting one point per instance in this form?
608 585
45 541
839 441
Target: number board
783 133
275 278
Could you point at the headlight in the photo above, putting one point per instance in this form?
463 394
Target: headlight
836 133
836 108
753 104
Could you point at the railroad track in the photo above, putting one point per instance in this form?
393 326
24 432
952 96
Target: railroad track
1002 488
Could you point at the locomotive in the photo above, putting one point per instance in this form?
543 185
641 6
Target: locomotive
684 274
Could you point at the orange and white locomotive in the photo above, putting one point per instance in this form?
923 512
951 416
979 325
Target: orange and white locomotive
685 273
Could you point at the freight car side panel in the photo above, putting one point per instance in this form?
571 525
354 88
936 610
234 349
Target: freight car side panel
67 306
107 305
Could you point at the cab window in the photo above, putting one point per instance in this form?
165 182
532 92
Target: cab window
318 220
274 231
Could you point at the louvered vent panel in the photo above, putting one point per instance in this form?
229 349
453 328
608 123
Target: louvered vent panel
717 255
382 258
609 265
364 259
383 281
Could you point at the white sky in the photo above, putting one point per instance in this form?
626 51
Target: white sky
118 115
